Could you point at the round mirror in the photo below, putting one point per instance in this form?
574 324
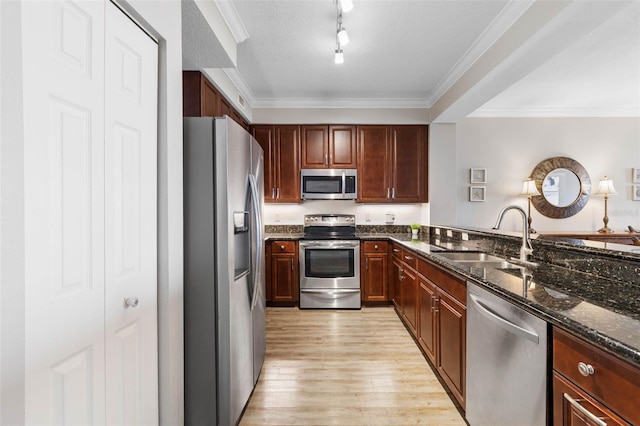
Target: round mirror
561 187
565 187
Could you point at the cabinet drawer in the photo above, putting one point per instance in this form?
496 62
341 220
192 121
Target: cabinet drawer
610 380
396 251
375 246
283 247
455 286
410 259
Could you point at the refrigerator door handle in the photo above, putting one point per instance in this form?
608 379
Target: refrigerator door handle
255 200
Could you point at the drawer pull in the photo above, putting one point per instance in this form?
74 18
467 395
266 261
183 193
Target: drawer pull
597 420
396 250
586 369
408 257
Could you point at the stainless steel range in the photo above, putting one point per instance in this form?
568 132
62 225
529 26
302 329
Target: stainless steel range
329 263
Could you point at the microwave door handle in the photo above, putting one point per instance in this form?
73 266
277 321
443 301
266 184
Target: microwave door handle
344 183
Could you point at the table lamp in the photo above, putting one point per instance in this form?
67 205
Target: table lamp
605 187
529 189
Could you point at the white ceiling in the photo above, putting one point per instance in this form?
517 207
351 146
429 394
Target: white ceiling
408 53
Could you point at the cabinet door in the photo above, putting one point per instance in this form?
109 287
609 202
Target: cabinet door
410 299
426 318
287 164
452 331
375 277
373 164
208 98
574 407
265 135
314 141
408 165
396 280
342 147
284 278
224 107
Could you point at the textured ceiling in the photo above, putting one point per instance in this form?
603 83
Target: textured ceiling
399 50
407 53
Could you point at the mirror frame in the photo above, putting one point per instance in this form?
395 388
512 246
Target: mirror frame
540 172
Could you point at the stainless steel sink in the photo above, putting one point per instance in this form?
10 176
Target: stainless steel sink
478 260
471 257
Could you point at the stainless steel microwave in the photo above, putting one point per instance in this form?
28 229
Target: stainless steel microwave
328 184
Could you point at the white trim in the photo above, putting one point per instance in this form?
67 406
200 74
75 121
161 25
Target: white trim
341 103
241 84
505 19
232 19
555 112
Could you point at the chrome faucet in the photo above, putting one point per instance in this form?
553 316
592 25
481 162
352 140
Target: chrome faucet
526 248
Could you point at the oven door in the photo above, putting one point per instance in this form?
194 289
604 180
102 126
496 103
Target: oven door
327 264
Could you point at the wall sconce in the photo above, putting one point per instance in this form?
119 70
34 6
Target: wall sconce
605 187
529 189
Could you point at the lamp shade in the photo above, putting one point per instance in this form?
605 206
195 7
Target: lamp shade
339 59
605 187
529 187
343 37
346 5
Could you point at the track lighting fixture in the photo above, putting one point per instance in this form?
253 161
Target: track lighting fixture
342 38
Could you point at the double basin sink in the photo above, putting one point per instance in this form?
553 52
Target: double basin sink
478 260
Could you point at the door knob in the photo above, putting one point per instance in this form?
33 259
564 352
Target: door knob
130 302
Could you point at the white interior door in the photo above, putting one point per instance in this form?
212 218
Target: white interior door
90 215
63 62
130 222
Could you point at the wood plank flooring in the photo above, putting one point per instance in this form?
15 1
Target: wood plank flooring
326 367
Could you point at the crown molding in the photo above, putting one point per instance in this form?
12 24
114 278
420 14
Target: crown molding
505 19
241 84
594 112
341 103
232 19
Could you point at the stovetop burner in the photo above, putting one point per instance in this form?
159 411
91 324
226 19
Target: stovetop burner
329 227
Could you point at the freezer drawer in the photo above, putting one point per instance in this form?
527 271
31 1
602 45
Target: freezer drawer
329 298
506 362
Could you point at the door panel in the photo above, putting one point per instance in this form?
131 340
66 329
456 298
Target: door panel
130 222
342 147
373 164
63 82
314 142
408 151
288 164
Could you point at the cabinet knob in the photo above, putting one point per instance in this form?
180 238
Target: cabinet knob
282 248
131 302
375 247
586 369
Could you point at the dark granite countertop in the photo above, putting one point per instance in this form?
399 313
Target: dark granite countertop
603 311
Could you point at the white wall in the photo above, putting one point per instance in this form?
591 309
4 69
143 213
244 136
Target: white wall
509 148
366 214
340 115
442 174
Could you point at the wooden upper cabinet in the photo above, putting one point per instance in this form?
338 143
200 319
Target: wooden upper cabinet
328 147
392 164
373 164
409 165
201 99
265 135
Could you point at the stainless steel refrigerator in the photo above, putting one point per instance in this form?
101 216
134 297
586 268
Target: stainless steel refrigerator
224 289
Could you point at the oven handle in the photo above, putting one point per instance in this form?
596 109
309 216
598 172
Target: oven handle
329 291
328 246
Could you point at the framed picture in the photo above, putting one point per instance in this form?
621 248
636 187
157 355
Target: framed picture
478 175
476 193
636 193
636 174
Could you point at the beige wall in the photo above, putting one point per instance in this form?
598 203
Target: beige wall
509 148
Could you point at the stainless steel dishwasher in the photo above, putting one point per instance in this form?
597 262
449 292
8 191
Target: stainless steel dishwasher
506 362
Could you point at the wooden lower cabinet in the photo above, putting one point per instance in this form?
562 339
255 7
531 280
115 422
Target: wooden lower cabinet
451 326
374 270
427 323
590 384
282 273
574 407
432 304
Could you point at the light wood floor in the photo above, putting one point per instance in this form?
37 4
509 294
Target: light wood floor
345 368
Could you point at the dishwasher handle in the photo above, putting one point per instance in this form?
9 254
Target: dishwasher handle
513 328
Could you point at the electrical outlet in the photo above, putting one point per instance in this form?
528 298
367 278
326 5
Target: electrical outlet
465 236
277 217
368 217
449 233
